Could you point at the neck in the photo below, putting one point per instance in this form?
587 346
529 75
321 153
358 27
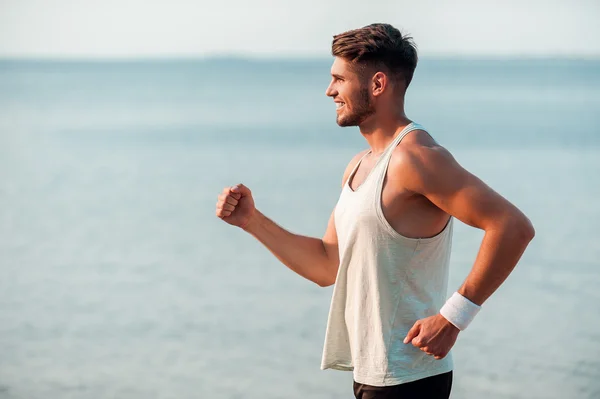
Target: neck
380 129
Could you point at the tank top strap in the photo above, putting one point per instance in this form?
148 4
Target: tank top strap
355 168
387 155
390 148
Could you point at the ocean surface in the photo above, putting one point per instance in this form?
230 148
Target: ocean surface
118 281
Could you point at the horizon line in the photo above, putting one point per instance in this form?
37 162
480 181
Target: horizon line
285 58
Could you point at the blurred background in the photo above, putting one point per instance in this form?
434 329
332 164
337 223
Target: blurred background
121 121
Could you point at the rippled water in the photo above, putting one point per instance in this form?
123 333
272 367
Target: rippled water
117 281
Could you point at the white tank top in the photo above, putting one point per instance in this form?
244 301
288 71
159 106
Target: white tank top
384 284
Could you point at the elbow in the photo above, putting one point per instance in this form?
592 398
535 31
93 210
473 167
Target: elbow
531 231
517 227
327 274
327 280
524 230
325 283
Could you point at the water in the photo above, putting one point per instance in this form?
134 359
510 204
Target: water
117 280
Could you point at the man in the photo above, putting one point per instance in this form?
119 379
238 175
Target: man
387 244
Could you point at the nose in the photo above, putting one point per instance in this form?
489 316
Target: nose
330 92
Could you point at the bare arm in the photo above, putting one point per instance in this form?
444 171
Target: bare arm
434 173
315 259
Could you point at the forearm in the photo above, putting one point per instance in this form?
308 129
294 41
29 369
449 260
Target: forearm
306 256
500 250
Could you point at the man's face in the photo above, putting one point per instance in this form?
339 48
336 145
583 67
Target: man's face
351 96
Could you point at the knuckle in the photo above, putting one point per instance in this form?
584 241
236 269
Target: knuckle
244 187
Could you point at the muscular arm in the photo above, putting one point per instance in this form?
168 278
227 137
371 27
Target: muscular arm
314 259
433 172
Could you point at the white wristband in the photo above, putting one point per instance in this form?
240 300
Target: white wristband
459 311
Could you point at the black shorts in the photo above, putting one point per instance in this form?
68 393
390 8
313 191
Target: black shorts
435 387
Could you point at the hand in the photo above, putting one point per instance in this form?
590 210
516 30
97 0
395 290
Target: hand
433 335
236 205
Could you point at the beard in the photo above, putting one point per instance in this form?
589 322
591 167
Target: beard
362 108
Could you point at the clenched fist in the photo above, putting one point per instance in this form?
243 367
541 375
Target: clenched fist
236 205
434 335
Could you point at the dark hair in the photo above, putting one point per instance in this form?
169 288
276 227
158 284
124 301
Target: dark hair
378 45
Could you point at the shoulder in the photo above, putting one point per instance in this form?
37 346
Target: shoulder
418 150
419 160
352 164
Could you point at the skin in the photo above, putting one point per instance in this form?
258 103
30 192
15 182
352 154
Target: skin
423 188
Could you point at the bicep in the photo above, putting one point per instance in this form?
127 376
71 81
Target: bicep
460 193
472 201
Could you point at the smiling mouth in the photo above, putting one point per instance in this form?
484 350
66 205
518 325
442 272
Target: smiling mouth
339 105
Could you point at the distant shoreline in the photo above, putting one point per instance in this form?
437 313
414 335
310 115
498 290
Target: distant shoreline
259 59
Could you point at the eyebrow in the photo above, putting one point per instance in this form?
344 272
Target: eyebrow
335 75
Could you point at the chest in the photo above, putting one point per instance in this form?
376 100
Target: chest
365 169
376 194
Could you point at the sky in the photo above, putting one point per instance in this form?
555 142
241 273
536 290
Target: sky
262 28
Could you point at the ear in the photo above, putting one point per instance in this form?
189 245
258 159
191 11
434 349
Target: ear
380 83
